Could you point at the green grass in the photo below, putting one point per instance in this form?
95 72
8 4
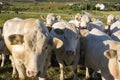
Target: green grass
53 72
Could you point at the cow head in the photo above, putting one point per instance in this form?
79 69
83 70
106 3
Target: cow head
51 18
84 21
114 61
110 19
68 34
37 48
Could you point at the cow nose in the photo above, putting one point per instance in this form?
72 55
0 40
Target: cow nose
69 52
32 73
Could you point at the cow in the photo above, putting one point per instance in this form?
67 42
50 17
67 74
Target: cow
3 51
116 36
76 20
114 30
69 53
30 46
50 19
110 20
102 54
86 23
113 27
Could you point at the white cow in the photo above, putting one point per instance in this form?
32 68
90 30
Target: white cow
50 19
113 27
76 20
85 23
29 42
103 55
110 20
69 53
116 35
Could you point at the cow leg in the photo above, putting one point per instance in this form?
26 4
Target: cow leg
14 72
41 78
61 71
106 75
19 66
87 75
75 68
45 67
21 70
3 59
75 72
61 65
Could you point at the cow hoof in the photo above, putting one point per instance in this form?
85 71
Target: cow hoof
87 78
21 78
42 79
14 76
61 78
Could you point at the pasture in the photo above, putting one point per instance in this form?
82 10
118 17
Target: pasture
53 71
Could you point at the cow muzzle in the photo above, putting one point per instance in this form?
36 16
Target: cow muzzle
70 53
32 73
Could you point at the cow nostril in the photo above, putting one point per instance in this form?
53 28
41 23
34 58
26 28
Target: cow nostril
70 52
118 60
38 73
32 73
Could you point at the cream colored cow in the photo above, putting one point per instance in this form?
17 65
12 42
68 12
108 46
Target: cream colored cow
30 45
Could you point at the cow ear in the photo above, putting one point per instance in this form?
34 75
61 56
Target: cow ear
16 39
56 42
43 17
110 53
58 17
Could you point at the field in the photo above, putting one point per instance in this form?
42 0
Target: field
52 73
33 11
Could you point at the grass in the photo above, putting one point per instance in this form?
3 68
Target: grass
52 73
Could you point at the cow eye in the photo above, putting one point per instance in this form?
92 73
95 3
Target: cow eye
118 60
46 47
59 31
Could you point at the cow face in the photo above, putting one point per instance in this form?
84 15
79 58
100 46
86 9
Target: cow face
114 62
110 19
84 21
35 48
68 34
71 41
50 19
39 48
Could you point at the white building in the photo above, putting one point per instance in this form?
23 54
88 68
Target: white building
101 6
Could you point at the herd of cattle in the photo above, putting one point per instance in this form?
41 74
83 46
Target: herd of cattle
31 43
